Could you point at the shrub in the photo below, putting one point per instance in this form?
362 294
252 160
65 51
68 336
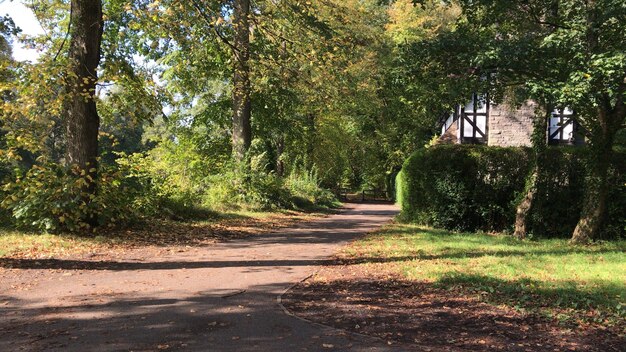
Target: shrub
178 173
560 188
5 177
462 188
305 190
556 210
469 188
390 184
400 188
51 198
245 185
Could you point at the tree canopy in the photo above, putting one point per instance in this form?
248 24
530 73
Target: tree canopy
208 103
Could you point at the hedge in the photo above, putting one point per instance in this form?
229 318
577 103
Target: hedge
472 188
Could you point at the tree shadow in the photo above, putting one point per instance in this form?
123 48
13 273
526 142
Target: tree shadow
438 318
532 294
214 320
412 315
79 264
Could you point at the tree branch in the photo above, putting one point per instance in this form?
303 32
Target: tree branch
539 21
206 19
67 33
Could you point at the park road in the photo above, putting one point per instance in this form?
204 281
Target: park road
221 297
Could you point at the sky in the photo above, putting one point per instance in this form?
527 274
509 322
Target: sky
24 19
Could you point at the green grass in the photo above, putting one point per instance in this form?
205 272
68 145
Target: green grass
31 244
550 277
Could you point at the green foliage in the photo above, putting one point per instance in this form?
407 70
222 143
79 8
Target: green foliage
463 188
247 187
304 187
178 170
401 191
252 187
476 188
185 176
411 21
561 190
390 182
52 198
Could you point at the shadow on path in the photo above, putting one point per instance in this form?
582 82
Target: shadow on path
202 322
227 304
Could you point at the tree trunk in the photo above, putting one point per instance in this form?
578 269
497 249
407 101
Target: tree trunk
242 134
524 206
593 214
539 140
311 132
83 121
280 149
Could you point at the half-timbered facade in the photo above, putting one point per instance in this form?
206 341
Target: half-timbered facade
563 128
480 121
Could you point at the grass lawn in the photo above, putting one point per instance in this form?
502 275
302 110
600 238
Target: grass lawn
30 244
585 284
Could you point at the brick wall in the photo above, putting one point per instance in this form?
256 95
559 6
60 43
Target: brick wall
511 126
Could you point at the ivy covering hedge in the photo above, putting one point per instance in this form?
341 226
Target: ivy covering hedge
470 188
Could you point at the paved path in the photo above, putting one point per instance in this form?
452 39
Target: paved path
216 298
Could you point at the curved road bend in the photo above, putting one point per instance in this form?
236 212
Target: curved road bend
217 298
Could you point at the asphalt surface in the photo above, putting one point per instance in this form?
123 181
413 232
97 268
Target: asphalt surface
221 297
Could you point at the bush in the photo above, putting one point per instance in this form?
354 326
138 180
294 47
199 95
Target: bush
52 198
400 190
178 174
250 186
236 190
245 185
305 190
556 211
469 188
462 188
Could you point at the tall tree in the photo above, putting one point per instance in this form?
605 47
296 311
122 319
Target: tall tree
242 132
597 86
7 28
83 122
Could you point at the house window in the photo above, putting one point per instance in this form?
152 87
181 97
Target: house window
473 120
562 127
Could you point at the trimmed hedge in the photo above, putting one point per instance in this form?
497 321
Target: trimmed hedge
470 188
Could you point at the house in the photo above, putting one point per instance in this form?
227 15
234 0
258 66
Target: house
480 121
